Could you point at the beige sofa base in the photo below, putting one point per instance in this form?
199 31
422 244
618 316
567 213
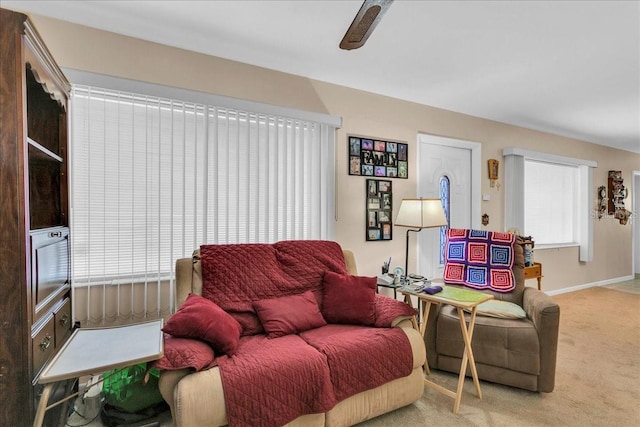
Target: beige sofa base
380 400
197 399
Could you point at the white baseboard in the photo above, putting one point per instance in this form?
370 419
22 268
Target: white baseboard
590 285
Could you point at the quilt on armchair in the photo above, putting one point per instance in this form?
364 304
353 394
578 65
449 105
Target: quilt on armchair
480 259
516 334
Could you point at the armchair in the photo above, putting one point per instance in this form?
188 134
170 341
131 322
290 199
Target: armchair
515 352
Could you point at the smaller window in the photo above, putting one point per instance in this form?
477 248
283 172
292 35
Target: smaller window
549 197
551 202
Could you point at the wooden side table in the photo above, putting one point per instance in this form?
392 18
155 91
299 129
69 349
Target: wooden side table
534 272
92 351
461 299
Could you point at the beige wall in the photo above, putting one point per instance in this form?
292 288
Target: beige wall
363 113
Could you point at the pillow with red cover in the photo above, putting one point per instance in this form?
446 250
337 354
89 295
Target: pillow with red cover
289 314
185 353
202 319
349 299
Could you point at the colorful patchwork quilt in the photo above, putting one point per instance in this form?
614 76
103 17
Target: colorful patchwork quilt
480 259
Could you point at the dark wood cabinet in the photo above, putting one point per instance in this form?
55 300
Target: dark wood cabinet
35 295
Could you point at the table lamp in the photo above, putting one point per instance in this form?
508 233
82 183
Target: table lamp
418 214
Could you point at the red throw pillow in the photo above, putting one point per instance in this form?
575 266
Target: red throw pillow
184 353
290 314
349 299
202 319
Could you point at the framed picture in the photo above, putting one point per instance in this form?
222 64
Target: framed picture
378 210
377 157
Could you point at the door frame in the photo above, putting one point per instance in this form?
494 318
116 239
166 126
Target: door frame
424 140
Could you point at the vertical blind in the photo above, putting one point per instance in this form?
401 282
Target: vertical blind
153 179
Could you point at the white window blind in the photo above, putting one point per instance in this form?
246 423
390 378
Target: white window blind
271 179
155 178
551 202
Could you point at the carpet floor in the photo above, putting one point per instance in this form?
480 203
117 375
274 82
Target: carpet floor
597 377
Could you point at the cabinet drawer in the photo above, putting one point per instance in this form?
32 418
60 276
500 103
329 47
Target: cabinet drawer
534 271
43 345
63 322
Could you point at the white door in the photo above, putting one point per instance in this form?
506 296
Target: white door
458 162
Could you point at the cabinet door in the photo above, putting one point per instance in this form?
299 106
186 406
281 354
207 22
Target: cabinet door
43 345
63 323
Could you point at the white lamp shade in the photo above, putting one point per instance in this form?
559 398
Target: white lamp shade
421 213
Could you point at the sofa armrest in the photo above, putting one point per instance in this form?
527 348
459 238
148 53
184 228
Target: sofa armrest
167 384
391 312
188 277
350 262
544 312
189 393
541 309
402 322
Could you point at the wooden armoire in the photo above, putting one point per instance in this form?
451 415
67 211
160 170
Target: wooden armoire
35 290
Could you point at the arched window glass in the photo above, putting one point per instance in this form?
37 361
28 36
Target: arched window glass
445 198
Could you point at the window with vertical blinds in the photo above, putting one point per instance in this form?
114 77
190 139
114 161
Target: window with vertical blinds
155 178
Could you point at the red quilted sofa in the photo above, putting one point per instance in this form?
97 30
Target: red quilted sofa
285 334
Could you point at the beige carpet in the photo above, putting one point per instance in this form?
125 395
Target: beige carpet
597 377
597 380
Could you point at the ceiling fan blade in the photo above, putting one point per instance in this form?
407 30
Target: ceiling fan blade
363 24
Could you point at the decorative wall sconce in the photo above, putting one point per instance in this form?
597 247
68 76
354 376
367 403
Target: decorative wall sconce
493 166
617 194
602 200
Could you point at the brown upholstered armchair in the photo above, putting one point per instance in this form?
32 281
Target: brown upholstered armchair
514 352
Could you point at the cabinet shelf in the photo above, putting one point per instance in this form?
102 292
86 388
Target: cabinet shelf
40 152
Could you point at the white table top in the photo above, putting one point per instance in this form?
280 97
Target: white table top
97 350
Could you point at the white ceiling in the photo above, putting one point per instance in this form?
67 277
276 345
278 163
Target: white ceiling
571 68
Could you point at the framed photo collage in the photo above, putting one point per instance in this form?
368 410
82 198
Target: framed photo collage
381 159
375 157
379 209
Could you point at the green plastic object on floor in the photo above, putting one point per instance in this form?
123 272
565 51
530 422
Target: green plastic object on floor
127 390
